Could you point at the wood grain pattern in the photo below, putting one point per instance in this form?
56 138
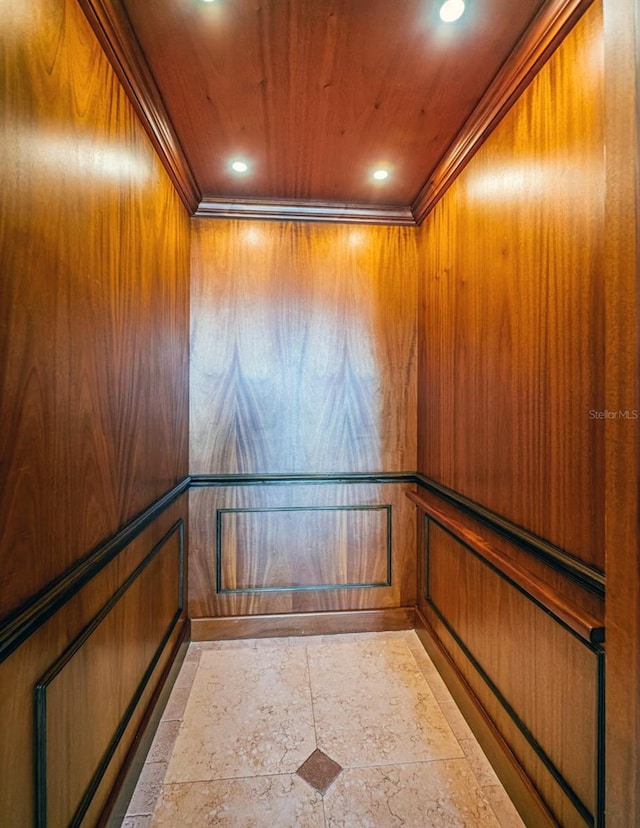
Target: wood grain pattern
121 655
317 94
85 700
621 275
546 32
546 675
94 300
511 311
303 348
351 552
587 626
521 790
308 547
302 623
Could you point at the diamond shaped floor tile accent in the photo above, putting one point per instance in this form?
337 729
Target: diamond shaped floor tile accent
319 771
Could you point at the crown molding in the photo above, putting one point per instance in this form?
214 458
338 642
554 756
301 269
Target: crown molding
541 38
110 22
299 210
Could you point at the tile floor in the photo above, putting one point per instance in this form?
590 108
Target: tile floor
343 731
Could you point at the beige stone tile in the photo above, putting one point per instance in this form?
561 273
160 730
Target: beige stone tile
136 822
442 794
261 802
249 714
372 705
231 644
148 789
174 711
163 741
457 721
480 765
503 807
187 673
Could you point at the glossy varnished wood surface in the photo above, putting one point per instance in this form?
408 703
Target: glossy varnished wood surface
302 348
622 214
584 624
122 656
511 311
344 549
546 675
94 300
88 698
316 94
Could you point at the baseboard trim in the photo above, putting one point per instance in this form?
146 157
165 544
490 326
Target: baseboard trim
116 807
302 623
516 783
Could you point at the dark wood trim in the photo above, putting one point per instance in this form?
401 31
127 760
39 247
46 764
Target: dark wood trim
549 28
509 770
588 577
586 626
302 623
110 22
116 808
300 210
596 820
22 623
204 480
386 507
40 692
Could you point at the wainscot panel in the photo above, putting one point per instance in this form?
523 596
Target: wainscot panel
513 643
300 548
77 690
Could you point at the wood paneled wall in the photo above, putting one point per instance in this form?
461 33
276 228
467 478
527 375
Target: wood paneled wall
302 361
302 348
512 313
94 248
510 415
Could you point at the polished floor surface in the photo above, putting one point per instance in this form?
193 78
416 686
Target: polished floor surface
343 731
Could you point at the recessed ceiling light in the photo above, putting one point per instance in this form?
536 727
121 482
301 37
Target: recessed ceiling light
451 10
208 1
380 175
239 166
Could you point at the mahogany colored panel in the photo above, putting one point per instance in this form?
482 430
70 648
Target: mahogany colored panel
303 348
622 480
121 660
547 676
316 95
94 244
302 623
511 311
303 547
354 552
83 699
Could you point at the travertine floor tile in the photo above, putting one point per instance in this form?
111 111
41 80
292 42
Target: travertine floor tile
174 711
480 765
457 721
260 802
442 794
148 789
372 705
249 714
504 809
163 742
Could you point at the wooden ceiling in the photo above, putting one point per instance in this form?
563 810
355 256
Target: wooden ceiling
316 94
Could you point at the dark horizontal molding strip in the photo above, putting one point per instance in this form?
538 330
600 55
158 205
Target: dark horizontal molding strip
205 480
544 35
587 576
300 210
110 22
40 697
28 618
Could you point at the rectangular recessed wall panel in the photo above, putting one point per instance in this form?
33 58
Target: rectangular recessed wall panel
85 700
543 675
303 548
